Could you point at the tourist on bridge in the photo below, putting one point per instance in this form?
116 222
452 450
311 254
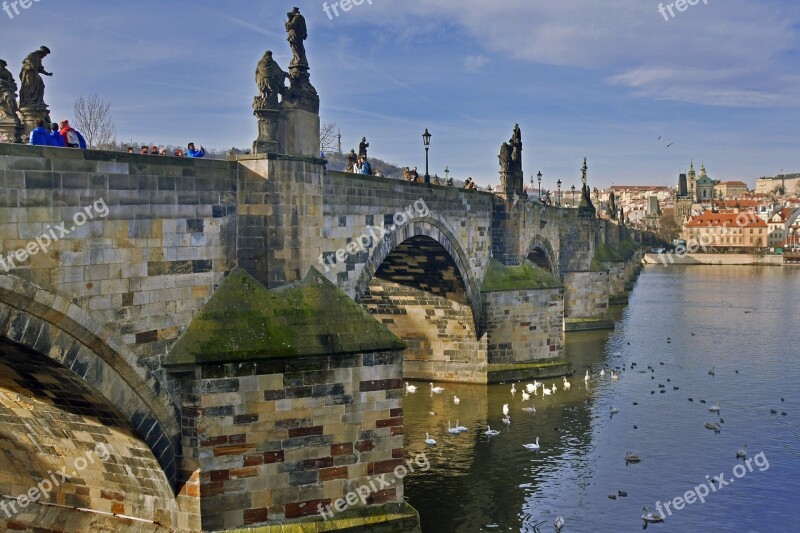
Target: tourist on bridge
192 152
40 136
55 137
72 137
363 166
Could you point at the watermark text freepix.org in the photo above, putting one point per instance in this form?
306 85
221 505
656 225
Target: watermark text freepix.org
373 235
374 486
332 9
52 234
711 485
679 5
11 505
12 8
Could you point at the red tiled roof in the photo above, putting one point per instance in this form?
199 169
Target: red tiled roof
742 220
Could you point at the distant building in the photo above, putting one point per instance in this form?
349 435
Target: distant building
788 183
704 187
779 225
731 189
727 231
652 215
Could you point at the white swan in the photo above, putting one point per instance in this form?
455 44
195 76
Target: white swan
491 432
567 384
507 420
553 388
614 375
505 409
460 428
651 517
714 408
452 430
456 399
546 391
531 409
613 410
534 446
436 390
586 377
429 441
525 396
558 523
513 390
411 389
632 458
531 387
602 372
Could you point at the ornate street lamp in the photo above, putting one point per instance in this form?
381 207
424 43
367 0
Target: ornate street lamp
558 183
446 173
539 175
573 196
426 140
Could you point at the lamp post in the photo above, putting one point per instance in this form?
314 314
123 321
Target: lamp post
426 140
446 172
558 183
573 196
539 175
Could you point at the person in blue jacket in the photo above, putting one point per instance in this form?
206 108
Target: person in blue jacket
40 136
192 152
55 136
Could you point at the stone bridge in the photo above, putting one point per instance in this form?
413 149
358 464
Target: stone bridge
207 345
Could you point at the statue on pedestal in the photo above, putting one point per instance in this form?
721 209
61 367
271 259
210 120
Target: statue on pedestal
302 94
32 93
296 28
362 147
271 82
9 117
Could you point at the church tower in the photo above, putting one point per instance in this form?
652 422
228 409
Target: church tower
692 181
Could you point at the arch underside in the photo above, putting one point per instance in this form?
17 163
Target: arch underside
541 254
419 294
55 428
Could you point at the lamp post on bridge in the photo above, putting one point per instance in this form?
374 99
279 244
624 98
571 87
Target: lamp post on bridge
539 175
426 140
573 196
446 173
558 183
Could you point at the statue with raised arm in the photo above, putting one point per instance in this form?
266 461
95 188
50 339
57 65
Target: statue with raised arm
32 92
271 81
8 94
296 28
362 147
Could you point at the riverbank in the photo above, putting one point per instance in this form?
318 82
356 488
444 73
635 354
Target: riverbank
713 259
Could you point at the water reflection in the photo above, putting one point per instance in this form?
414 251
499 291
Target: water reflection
679 324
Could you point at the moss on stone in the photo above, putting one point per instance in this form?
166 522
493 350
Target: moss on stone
244 321
604 253
527 276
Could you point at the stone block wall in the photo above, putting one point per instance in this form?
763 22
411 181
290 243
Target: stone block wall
280 224
144 268
586 294
273 440
524 326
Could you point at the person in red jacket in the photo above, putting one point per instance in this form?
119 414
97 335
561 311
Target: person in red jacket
72 137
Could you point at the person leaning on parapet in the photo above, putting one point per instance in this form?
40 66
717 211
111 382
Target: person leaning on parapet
192 152
72 137
40 136
364 167
55 137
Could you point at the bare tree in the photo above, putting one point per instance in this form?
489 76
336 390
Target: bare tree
328 138
93 120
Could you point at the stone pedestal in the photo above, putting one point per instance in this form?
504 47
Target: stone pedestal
31 115
302 133
270 132
11 129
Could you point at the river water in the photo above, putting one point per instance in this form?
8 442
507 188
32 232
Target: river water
681 322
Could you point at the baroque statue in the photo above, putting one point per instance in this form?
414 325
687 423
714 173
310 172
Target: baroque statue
271 81
362 147
8 94
32 91
296 28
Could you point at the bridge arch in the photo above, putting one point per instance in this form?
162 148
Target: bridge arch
540 253
418 283
63 336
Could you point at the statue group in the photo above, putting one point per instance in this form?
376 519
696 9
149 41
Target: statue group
274 97
511 179
17 119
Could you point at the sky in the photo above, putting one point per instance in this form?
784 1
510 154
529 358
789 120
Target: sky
615 81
